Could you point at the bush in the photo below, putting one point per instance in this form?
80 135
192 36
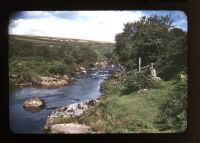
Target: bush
137 81
68 59
173 113
22 70
58 69
157 84
62 69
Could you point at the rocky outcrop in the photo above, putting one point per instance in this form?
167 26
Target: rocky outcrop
51 82
70 128
34 104
70 111
41 81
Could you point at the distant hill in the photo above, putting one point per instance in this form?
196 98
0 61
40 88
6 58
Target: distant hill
20 43
61 39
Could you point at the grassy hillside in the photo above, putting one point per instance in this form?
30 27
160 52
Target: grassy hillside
30 56
30 45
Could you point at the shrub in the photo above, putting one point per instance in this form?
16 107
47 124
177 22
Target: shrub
62 69
68 59
157 84
58 69
137 81
173 113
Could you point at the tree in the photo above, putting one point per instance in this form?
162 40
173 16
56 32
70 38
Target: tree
175 59
146 38
154 40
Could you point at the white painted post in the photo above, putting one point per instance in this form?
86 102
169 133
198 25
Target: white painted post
139 64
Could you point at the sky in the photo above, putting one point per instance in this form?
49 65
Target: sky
90 25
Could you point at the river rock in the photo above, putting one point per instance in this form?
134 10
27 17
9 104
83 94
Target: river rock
71 111
82 70
33 104
102 64
142 90
70 128
66 77
51 82
14 75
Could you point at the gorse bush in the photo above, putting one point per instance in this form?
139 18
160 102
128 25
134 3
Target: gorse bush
136 81
57 69
157 84
68 59
173 113
62 69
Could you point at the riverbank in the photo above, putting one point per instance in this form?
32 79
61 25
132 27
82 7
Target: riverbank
67 114
137 112
54 80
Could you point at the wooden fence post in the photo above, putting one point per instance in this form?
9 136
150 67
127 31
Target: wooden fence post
139 64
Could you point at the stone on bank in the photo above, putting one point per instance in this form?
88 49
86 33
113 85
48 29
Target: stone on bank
71 111
71 128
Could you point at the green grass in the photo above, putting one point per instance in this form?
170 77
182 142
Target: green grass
30 67
61 119
133 113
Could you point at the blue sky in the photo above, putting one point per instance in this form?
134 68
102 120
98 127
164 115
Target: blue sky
91 25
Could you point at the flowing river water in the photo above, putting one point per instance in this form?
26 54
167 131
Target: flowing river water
82 89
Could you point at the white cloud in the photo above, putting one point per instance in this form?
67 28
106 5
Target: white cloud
93 25
181 24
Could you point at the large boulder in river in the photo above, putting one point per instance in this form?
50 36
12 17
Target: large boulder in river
71 111
34 104
70 128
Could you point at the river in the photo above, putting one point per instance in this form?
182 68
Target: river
25 122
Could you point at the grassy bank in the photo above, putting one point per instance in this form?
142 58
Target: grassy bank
29 67
132 113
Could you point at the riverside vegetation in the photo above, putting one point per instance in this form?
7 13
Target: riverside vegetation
131 101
